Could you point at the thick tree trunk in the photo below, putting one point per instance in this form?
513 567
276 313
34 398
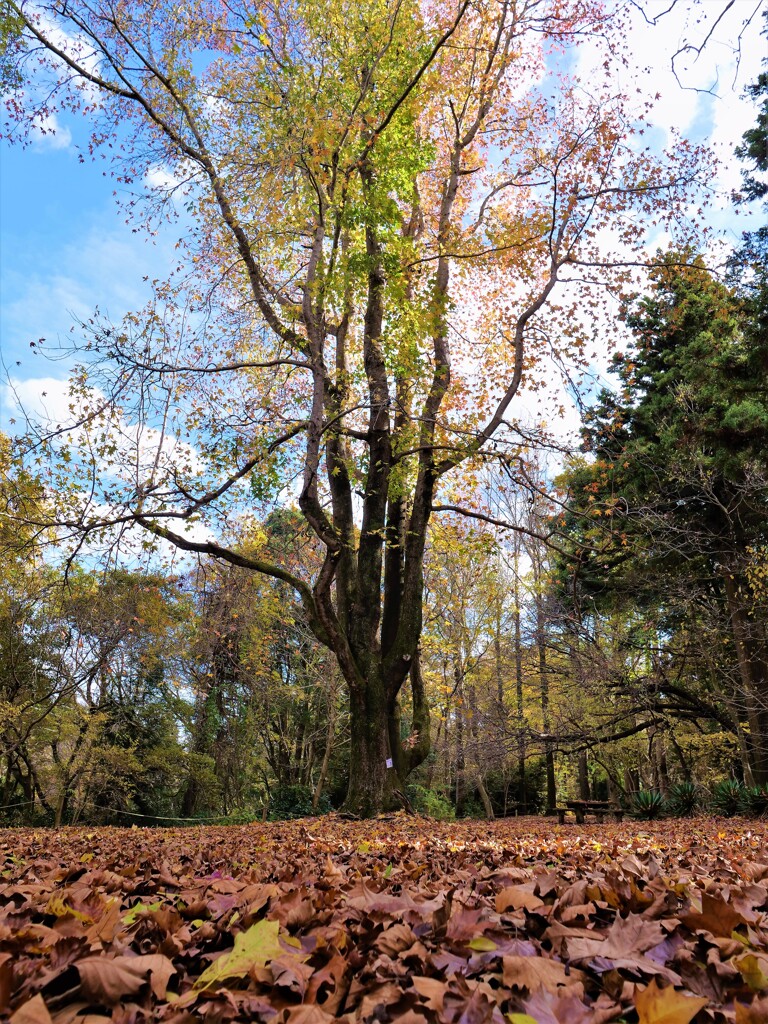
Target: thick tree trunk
374 783
409 754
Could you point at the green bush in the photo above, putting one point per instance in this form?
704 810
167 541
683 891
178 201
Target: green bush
755 800
429 802
683 799
728 797
241 817
648 804
295 801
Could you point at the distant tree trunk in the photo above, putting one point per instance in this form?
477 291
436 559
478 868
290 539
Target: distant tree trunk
327 752
549 756
583 776
474 730
685 768
522 797
460 795
631 782
659 762
753 669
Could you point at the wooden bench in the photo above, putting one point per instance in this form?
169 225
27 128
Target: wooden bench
582 807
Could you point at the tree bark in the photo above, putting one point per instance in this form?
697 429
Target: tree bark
583 776
754 676
374 782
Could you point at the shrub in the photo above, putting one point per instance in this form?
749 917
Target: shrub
728 797
683 799
755 800
295 801
648 804
430 802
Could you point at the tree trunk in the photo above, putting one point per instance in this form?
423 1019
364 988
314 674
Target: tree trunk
460 795
487 805
409 754
374 783
328 744
753 671
522 793
549 755
583 776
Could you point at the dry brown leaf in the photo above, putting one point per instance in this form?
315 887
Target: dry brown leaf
624 940
717 916
109 980
535 972
516 897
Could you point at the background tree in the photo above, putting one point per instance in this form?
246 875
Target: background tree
672 510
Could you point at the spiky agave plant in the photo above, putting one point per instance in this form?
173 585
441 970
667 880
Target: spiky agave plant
755 800
683 799
728 797
648 804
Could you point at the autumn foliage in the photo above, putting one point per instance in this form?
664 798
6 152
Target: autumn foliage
399 918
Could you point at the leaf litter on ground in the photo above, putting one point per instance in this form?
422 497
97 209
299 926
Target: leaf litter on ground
397 919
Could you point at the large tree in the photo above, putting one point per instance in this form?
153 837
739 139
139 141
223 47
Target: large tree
379 204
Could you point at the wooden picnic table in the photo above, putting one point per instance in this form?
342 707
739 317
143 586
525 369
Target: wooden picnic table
597 807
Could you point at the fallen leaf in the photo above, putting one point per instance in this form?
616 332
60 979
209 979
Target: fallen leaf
109 980
33 1012
254 947
656 1005
535 972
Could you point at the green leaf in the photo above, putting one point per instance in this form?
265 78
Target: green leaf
139 908
253 948
482 945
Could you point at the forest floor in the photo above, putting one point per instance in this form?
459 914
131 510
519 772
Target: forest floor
397 919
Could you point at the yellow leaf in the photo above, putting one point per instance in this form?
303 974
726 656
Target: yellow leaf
59 908
656 1005
754 970
253 948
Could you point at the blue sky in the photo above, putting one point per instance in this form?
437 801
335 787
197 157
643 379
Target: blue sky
65 247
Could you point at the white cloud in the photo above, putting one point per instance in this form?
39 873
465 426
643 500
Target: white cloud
45 400
50 404
48 132
161 178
